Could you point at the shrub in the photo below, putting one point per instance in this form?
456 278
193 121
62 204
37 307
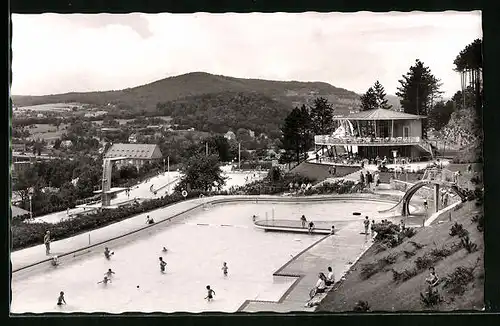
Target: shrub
362 306
479 219
441 253
409 232
368 270
457 281
457 229
409 254
389 259
430 298
424 262
416 245
404 275
468 244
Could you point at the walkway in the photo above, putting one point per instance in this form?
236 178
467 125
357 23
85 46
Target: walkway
36 254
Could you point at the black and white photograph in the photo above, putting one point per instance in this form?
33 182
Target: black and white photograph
321 162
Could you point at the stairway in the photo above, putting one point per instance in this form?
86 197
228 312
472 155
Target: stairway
426 147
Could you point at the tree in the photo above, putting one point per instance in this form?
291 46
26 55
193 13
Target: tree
221 146
418 88
296 136
321 115
201 172
379 91
369 100
469 63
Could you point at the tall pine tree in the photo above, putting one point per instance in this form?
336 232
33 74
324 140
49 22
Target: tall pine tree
296 137
418 87
369 100
382 102
321 114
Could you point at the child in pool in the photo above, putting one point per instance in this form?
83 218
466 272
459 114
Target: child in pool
164 249
163 264
109 273
61 300
108 253
210 293
224 268
55 261
105 280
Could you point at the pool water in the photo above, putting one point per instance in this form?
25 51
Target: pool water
197 247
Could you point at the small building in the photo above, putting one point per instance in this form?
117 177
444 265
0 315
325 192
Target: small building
136 154
379 132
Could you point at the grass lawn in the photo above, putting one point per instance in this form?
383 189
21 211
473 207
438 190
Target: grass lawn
384 294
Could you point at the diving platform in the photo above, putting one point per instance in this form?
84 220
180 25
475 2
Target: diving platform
294 226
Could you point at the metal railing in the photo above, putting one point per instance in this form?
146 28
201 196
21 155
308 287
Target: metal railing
327 139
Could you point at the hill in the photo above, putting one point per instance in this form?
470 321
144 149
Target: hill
431 246
200 83
218 112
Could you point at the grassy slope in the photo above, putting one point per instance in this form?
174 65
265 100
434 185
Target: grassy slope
192 84
383 294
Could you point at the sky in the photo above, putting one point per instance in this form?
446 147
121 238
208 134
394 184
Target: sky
56 53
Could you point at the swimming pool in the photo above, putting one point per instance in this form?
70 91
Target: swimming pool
198 245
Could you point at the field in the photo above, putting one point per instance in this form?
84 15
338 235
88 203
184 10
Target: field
46 131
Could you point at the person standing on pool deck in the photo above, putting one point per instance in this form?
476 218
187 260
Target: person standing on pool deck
210 294
61 300
46 242
224 268
367 224
311 227
303 220
163 264
373 227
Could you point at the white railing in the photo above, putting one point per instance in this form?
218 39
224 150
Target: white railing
327 139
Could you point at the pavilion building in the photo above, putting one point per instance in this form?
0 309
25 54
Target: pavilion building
379 132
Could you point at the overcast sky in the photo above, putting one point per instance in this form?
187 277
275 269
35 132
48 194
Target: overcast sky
64 53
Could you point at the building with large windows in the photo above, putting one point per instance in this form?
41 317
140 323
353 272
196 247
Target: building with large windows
136 154
379 132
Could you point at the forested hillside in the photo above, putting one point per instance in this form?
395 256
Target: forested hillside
147 96
228 110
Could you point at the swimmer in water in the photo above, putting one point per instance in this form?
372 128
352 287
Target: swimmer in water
210 294
109 273
105 280
164 249
163 264
61 300
224 268
108 253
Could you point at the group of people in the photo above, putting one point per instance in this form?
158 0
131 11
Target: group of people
163 264
310 225
368 179
323 282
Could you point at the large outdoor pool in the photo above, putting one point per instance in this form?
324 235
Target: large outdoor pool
197 247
